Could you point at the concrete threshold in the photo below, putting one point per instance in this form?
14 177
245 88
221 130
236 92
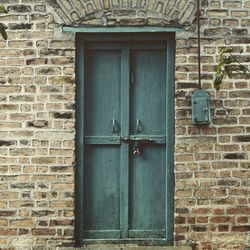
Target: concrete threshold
127 247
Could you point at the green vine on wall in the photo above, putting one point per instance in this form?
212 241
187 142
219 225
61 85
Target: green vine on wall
223 67
2 26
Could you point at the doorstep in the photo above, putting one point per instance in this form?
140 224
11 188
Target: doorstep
127 247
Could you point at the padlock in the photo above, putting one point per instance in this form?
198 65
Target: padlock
136 151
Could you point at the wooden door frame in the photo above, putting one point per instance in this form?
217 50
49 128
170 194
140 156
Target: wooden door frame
81 38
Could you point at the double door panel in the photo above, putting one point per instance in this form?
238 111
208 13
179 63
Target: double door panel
124 182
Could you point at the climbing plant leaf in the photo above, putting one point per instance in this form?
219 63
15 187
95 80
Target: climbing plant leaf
2 26
223 67
2 31
2 9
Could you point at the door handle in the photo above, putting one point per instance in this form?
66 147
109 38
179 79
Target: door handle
138 126
114 125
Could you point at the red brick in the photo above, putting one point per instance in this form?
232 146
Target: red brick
201 210
191 220
202 219
239 210
218 211
180 220
199 228
223 228
179 237
226 201
68 232
242 220
242 201
241 228
181 229
8 232
222 192
222 219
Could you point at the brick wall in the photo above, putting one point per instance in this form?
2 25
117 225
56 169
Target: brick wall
36 128
212 162
37 123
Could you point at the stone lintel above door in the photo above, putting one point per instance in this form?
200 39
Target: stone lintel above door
117 13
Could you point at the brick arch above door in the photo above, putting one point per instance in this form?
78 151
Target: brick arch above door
125 12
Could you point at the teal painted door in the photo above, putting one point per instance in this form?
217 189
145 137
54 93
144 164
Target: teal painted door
125 130
147 171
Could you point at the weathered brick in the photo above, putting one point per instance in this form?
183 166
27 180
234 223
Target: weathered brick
199 228
204 193
217 31
241 228
222 219
43 160
7 213
8 232
21 204
183 193
241 138
180 220
217 13
42 213
234 4
22 223
38 124
61 223
234 156
239 13
43 231
8 195
201 210
61 204
223 228
48 70
238 210
242 220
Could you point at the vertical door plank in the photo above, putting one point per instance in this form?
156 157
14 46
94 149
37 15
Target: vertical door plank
101 188
147 196
102 159
124 146
102 94
147 190
148 92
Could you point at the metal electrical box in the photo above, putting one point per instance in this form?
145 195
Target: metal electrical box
200 107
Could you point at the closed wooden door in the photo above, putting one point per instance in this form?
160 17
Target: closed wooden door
125 135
